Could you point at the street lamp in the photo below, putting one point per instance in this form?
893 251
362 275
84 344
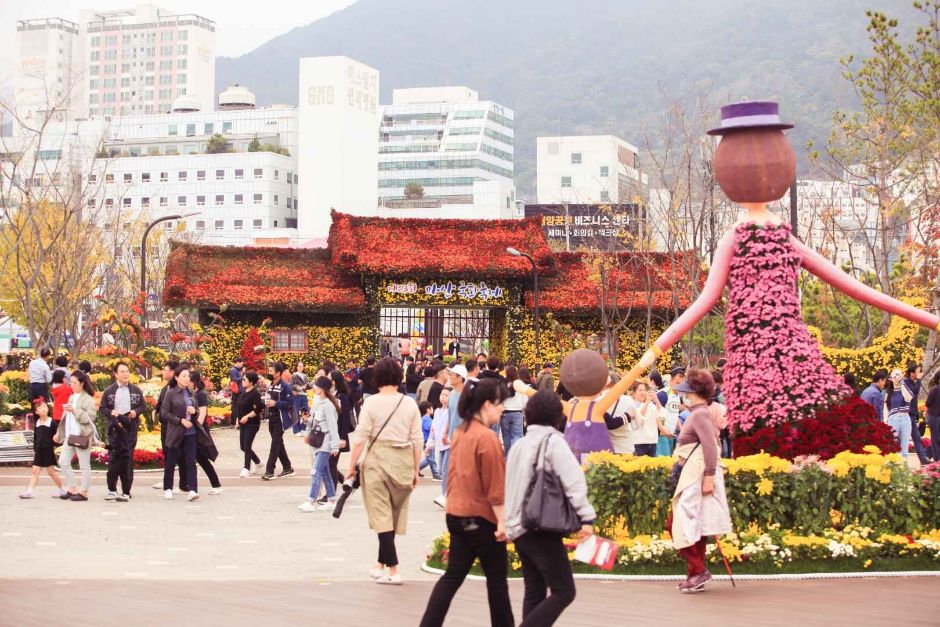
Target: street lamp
143 260
535 282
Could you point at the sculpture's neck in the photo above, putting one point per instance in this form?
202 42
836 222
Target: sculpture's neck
758 213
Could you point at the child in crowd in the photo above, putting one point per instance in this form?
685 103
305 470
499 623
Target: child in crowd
434 443
427 422
61 391
43 449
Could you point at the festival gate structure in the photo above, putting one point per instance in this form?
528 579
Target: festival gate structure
434 280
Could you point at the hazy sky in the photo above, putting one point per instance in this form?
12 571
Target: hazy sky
241 26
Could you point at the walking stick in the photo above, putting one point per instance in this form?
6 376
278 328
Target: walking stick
725 560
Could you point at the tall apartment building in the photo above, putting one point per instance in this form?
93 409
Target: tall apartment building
589 169
45 78
128 62
456 147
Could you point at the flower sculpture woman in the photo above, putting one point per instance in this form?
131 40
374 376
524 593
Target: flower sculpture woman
775 374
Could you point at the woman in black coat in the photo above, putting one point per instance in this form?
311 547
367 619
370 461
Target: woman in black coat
178 412
344 423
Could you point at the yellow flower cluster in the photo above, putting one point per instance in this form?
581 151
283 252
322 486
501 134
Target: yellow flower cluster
629 463
877 466
758 464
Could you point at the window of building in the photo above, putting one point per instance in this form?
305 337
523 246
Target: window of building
209 128
201 201
239 199
165 94
163 201
111 97
125 68
605 196
172 130
126 202
219 175
108 178
182 49
219 225
239 224
566 181
166 65
605 171
96 41
108 202
110 55
226 127
145 177
180 79
171 150
168 225
275 200
239 174
166 79
181 64
181 201
94 70
110 40
91 203
200 175
148 82
296 177
289 202
257 199
258 173
576 157
200 225
128 177
166 51
92 98
277 174
166 35
219 199
183 175
109 83
92 178
149 66
110 68
145 201
289 341
190 130
256 224
182 35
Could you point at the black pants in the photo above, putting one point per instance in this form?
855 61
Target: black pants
119 466
338 477
135 429
278 452
206 464
648 450
466 545
246 437
544 565
185 455
38 389
388 555
166 459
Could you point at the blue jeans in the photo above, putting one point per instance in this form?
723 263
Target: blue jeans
445 461
430 461
918 443
511 426
901 425
322 475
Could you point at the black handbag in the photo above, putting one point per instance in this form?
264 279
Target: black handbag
546 507
316 436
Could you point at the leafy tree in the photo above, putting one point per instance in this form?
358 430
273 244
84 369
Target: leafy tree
254 145
218 144
414 191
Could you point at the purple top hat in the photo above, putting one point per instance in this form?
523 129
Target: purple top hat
750 114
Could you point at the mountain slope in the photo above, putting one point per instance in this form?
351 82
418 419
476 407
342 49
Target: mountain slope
591 67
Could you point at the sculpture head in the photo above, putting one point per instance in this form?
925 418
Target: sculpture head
754 161
584 373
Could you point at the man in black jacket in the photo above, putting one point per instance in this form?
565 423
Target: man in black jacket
280 406
121 406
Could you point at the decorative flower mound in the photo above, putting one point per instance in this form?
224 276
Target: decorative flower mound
422 247
247 278
850 424
775 374
636 280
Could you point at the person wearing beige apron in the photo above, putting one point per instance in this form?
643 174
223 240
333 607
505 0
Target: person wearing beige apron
388 442
699 504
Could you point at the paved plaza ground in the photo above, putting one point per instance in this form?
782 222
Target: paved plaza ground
261 561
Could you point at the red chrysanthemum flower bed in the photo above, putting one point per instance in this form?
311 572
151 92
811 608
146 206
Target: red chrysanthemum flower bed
286 279
423 247
849 425
142 459
634 281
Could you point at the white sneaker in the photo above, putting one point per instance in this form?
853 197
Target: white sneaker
110 496
158 485
168 495
215 491
255 469
307 506
441 501
376 573
327 507
193 496
389 580
244 473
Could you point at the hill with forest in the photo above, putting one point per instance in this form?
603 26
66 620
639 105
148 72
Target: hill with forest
590 67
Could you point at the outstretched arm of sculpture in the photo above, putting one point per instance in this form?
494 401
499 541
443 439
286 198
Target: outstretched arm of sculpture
821 267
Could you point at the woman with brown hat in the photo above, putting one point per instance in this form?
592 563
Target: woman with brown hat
699 506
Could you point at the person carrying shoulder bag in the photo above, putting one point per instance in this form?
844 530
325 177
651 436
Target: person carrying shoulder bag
387 446
77 434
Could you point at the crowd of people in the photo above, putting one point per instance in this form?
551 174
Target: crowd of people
484 428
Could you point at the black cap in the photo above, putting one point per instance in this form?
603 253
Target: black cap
677 369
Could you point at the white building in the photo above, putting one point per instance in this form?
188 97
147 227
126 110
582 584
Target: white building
588 169
127 62
158 165
338 130
458 148
45 76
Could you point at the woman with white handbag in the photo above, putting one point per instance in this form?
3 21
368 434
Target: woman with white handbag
77 434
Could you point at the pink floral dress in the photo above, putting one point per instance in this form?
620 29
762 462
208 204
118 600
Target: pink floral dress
775 373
